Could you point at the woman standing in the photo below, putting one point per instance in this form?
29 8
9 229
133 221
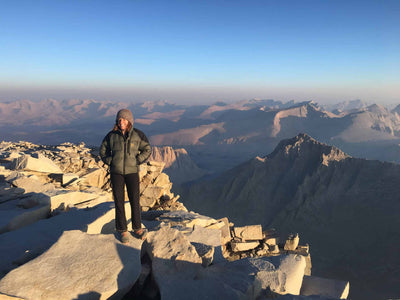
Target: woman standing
124 149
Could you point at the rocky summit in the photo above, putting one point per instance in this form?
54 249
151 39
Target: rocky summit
57 239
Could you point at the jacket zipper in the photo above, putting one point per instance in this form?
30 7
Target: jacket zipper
124 152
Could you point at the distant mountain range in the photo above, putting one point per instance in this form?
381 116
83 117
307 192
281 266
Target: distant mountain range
217 137
346 207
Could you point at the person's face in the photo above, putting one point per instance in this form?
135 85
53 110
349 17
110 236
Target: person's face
123 124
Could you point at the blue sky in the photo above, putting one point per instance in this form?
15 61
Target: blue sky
200 50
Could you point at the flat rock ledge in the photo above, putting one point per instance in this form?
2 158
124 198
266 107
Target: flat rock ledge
78 265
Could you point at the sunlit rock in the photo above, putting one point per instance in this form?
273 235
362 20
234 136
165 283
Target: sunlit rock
38 164
249 233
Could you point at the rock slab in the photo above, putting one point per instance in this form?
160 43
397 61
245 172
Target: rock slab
39 164
249 233
78 265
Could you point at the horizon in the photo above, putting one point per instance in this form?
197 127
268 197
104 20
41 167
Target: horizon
218 101
201 52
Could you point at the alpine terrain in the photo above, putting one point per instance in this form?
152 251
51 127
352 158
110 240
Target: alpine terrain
347 207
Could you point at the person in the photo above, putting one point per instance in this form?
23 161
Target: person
123 149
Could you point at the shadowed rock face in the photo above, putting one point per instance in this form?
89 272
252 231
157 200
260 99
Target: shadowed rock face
343 206
262 187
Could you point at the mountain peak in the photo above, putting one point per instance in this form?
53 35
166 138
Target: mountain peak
304 146
377 109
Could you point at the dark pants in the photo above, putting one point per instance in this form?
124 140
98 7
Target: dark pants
131 181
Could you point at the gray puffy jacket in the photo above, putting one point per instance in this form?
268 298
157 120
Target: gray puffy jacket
125 153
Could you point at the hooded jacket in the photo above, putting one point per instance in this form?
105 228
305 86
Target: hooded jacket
124 154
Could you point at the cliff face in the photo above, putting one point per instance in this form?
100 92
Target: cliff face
348 210
178 164
344 206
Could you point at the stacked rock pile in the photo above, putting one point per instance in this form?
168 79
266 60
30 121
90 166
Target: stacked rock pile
155 189
252 241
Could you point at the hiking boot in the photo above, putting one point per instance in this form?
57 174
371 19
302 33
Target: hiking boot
140 233
124 237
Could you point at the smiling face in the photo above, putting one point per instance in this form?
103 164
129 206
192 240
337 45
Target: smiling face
123 124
